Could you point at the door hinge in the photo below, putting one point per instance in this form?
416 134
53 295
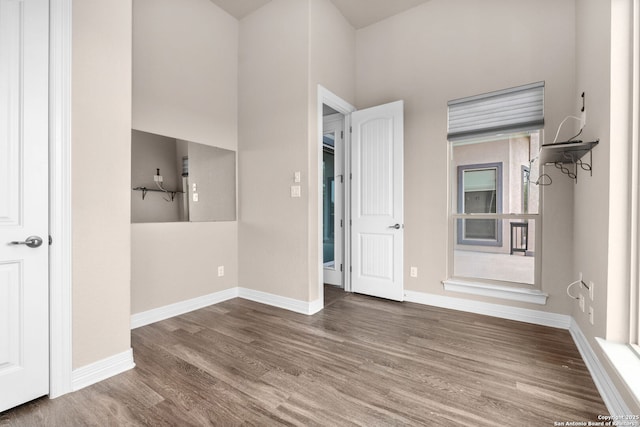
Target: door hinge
350 269
340 223
341 267
350 129
350 222
341 134
50 240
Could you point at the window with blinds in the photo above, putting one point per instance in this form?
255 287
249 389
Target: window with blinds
495 227
511 110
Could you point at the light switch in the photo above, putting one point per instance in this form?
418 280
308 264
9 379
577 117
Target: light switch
195 187
195 197
295 191
296 176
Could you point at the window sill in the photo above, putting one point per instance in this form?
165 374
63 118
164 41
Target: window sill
532 296
626 361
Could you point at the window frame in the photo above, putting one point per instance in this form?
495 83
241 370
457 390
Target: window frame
460 223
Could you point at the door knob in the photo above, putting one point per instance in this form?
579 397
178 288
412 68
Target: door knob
396 226
31 241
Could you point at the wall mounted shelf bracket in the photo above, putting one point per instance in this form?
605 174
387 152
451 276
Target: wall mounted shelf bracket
145 190
567 153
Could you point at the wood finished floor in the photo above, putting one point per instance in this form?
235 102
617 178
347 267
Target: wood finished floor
361 361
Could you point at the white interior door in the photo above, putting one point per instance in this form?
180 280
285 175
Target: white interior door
24 289
333 199
377 201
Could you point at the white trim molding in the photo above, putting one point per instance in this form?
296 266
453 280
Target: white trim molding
626 361
608 391
102 369
536 317
161 313
60 277
302 307
157 314
532 296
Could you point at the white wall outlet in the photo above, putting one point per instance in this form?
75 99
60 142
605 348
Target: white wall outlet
581 302
591 315
220 270
297 177
157 178
195 197
591 291
413 272
295 191
195 187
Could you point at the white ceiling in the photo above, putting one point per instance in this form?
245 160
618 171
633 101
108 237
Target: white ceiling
359 13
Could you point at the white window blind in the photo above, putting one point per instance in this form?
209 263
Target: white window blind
511 110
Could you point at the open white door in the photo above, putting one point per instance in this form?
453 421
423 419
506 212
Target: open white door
24 288
377 201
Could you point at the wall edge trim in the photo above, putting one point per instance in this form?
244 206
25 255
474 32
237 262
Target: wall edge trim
606 387
165 312
102 369
302 307
526 315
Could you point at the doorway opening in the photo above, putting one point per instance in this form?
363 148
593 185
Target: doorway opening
334 192
333 201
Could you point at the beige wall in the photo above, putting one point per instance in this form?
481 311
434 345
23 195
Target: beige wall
419 56
601 201
287 48
185 56
101 145
273 144
185 63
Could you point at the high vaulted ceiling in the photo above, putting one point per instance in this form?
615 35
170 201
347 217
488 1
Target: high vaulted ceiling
359 13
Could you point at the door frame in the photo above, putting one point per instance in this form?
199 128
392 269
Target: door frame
60 256
332 100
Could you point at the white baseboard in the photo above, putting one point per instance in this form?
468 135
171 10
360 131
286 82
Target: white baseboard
101 370
608 391
536 317
531 296
302 307
171 310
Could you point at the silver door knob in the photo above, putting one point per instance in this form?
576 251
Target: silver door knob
396 226
31 241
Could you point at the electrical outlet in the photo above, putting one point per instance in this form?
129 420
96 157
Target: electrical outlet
295 191
591 291
195 197
413 272
581 302
157 178
591 315
220 270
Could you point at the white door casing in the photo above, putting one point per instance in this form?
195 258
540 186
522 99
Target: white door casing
334 125
24 293
377 229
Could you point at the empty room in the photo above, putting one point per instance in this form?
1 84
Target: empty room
319 212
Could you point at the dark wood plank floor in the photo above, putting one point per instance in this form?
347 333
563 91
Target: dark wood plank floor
361 361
